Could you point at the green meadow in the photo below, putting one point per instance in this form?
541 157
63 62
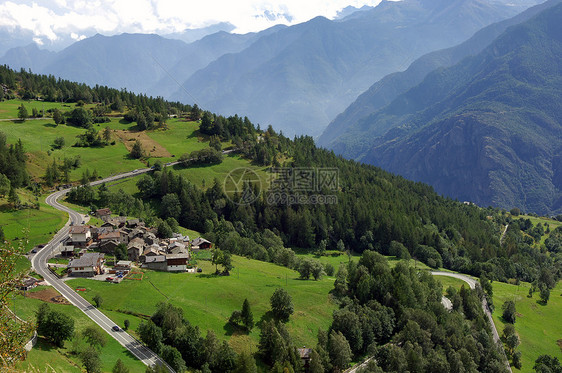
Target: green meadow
45 355
34 226
450 281
208 300
9 108
538 326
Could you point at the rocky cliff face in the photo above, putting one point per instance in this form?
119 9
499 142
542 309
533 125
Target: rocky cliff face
487 130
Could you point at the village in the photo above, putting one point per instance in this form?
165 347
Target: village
86 247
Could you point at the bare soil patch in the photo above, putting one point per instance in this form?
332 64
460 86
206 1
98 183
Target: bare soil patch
49 295
559 342
151 147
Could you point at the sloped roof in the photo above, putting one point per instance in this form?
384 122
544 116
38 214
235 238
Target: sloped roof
79 229
86 260
198 241
155 259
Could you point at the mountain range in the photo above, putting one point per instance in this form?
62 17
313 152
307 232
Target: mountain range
301 77
486 129
296 78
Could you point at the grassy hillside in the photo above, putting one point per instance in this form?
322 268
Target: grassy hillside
36 226
538 326
61 360
208 300
166 145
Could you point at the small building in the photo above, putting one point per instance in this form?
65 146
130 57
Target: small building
123 265
100 231
304 354
156 262
88 265
134 223
67 251
135 233
149 252
115 222
80 235
151 239
28 283
110 236
135 248
176 262
108 247
200 243
103 213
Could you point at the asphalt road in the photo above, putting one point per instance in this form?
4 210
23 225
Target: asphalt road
472 283
39 263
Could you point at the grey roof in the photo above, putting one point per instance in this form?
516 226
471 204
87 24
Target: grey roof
123 263
177 256
79 229
199 241
155 259
86 260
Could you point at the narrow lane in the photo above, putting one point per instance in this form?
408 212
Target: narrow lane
472 283
39 264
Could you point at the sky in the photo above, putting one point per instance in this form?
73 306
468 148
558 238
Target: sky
52 20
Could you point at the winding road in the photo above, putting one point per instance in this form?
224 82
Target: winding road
39 264
472 283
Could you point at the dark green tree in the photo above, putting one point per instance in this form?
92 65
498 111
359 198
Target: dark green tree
315 365
98 300
58 118
54 325
281 304
172 356
4 185
245 363
137 150
91 360
247 316
22 113
339 350
151 335
509 312
80 117
119 367
544 293
58 143
547 364
94 336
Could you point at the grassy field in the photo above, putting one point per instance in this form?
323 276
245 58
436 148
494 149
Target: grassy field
208 300
9 108
539 327
61 360
450 281
38 226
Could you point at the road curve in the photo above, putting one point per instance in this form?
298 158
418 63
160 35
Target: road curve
472 283
39 264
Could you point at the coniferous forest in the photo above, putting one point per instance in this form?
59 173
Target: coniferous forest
394 314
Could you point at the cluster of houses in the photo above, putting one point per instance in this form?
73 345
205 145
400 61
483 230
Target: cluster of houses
143 246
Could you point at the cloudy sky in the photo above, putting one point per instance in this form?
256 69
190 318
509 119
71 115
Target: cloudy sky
52 20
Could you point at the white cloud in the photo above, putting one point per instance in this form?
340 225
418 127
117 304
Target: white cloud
52 19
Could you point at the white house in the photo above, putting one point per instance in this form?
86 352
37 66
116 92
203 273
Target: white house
88 265
81 235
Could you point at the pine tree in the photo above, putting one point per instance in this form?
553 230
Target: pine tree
22 112
247 316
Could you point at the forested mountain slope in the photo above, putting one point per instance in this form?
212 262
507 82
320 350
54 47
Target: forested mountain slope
486 130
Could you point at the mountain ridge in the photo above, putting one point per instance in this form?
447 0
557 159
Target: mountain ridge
486 129
388 88
329 63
